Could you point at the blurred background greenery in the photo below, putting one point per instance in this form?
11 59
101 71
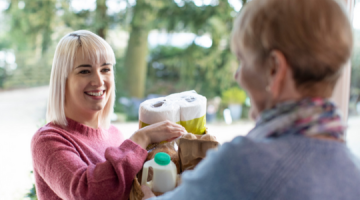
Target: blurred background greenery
161 46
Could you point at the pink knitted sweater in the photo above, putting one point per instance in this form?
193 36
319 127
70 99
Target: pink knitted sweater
80 162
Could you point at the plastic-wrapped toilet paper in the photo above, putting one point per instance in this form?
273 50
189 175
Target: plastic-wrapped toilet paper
180 95
158 109
192 110
193 113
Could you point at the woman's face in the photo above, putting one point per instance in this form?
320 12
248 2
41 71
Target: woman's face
254 81
88 87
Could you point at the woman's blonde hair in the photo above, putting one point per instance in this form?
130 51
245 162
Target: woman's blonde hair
315 37
93 47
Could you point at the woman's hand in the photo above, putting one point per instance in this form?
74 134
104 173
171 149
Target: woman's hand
154 133
147 192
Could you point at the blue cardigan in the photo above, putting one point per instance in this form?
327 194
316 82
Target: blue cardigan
291 167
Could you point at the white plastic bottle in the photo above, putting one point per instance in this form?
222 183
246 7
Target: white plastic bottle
164 173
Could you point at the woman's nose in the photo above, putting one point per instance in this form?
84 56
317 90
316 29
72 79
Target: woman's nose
97 79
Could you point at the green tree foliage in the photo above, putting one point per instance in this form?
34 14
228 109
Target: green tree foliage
207 70
30 26
32 37
97 21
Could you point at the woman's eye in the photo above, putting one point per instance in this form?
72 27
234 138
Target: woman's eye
84 71
105 70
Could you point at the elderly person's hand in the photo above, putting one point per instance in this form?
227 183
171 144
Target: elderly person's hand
161 131
147 192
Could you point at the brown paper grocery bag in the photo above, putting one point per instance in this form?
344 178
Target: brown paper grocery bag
192 151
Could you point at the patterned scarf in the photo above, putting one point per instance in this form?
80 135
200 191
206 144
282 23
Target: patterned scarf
308 117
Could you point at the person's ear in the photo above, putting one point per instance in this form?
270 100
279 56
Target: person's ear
277 73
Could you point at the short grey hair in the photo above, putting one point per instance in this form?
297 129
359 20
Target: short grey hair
315 37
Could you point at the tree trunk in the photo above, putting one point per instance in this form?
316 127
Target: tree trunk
101 25
137 50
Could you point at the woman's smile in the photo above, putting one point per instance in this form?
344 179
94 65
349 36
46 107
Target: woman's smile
96 94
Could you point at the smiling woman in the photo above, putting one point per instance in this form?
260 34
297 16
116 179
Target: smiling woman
85 51
78 154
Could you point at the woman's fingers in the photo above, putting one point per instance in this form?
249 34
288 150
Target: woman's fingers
165 130
161 131
171 128
175 131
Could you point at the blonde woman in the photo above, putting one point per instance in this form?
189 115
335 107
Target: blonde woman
291 54
78 154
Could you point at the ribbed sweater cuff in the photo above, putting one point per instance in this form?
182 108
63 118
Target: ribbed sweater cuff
129 144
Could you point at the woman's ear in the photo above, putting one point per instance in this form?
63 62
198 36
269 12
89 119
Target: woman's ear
277 73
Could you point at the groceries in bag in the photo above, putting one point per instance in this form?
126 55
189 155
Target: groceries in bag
187 109
191 150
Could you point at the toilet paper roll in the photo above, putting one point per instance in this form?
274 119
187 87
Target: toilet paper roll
192 111
158 109
180 95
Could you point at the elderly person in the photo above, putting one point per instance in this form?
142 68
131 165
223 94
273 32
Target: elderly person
291 54
78 154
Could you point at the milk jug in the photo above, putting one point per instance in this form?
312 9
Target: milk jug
164 173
